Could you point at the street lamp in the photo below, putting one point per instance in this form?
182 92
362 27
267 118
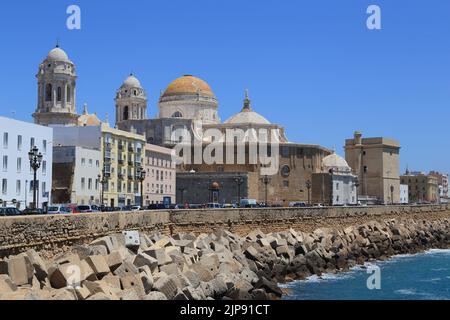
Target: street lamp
35 158
141 177
103 180
266 180
239 181
308 186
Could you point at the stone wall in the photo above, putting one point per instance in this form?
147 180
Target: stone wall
55 232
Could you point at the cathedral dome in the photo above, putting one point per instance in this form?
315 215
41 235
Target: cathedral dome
335 162
132 82
57 54
87 119
247 115
188 85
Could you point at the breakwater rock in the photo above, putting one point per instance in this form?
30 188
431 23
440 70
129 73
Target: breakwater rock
220 265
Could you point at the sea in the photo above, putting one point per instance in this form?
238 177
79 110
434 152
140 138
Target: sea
424 276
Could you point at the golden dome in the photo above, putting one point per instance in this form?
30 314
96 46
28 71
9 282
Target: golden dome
88 119
188 85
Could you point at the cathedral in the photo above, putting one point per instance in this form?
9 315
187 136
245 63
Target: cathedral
189 104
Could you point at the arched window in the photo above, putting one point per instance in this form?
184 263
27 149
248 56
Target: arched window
177 115
48 92
59 94
68 94
126 113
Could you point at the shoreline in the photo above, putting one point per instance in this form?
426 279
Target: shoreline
220 265
358 273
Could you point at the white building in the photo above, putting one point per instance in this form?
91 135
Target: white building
404 194
76 173
16 176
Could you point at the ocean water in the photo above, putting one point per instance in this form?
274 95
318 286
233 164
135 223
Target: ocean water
424 276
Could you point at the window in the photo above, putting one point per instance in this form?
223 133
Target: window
90 184
31 143
126 113
97 163
5 140
19 165
44 146
19 143
83 162
18 187
337 186
177 115
48 92
96 184
44 167
5 163
90 163
286 183
68 94
365 169
59 94
4 186
44 189
83 183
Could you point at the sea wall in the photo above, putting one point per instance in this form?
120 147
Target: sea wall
219 265
54 232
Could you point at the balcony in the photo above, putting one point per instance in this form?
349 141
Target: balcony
120 176
130 163
121 162
120 147
131 149
130 177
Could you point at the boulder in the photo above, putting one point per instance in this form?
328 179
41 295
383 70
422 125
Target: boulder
40 268
143 259
160 255
20 270
155 295
133 282
167 285
98 265
113 282
269 287
6 284
125 269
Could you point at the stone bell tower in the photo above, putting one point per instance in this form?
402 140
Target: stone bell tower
56 104
131 101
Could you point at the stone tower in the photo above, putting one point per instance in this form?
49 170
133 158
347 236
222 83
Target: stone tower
131 101
56 104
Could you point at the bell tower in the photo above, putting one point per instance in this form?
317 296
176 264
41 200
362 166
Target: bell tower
131 101
56 105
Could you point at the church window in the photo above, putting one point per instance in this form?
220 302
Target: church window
68 94
177 115
59 94
48 92
126 114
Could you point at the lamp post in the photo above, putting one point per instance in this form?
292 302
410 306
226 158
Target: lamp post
239 181
103 179
308 186
141 177
35 158
266 180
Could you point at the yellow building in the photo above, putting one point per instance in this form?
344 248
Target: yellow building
123 154
422 187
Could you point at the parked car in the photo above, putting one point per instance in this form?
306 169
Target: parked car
9 212
248 203
228 206
298 205
31 212
59 210
157 206
213 206
83 209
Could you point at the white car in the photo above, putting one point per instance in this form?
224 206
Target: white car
59 210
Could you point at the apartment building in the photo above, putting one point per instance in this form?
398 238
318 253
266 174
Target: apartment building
17 138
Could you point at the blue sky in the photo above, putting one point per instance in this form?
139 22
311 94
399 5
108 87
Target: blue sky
312 66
